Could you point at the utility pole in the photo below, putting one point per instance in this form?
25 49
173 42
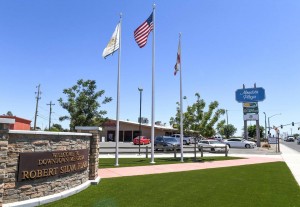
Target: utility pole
51 104
36 106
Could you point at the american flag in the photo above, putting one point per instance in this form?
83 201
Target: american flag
142 32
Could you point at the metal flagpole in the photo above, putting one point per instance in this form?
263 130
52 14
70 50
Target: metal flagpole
181 116
153 70
118 96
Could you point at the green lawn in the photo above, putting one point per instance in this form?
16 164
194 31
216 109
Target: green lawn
129 162
269 184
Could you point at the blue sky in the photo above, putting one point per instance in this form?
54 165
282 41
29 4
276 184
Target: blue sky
225 44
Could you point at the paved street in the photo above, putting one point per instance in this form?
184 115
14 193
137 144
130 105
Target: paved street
292 145
108 148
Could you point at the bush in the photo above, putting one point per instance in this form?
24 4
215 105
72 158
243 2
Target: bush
266 145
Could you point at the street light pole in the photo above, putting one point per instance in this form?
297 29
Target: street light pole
140 127
226 117
265 125
269 120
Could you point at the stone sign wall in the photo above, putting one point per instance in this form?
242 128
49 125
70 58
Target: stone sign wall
36 164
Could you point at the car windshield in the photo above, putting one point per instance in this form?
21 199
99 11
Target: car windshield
170 139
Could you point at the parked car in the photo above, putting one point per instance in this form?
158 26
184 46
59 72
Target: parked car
166 143
186 140
143 140
298 140
237 142
290 139
212 145
219 138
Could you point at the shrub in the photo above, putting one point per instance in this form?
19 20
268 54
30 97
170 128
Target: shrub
266 145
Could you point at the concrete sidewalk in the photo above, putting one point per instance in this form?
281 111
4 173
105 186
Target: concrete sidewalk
292 159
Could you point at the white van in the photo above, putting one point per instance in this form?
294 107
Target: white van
186 140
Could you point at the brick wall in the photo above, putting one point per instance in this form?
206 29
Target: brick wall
13 143
3 161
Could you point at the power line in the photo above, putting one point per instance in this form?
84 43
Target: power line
43 117
43 108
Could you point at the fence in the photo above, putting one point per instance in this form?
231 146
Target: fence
146 150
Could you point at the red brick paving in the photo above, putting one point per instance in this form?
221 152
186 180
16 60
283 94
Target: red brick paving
155 169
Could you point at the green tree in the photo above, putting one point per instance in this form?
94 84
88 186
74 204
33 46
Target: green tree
227 130
57 128
252 131
196 121
9 113
82 104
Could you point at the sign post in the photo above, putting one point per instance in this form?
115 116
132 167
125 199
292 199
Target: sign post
250 98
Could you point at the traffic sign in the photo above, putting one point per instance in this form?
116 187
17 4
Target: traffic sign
273 140
250 95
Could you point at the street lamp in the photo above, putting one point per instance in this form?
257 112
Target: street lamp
269 120
140 128
226 117
265 125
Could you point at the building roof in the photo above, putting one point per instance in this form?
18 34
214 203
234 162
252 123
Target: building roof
16 118
7 121
142 124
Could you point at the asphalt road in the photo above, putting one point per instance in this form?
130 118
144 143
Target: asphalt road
129 147
292 145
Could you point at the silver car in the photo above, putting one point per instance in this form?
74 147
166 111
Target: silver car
241 143
166 143
212 146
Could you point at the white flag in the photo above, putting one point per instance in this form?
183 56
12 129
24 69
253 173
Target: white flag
177 66
113 43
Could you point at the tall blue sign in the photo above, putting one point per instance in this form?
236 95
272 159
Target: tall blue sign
250 95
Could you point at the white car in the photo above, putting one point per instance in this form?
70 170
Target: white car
212 145
241 143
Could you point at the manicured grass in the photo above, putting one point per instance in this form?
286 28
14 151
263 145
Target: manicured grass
259 185
129 162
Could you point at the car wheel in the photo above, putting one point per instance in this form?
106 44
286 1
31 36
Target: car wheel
247 146
212 149
184 142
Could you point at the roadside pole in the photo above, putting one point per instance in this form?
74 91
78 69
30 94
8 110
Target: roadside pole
278 141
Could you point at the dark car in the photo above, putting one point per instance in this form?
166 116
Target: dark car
166 143
290 139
